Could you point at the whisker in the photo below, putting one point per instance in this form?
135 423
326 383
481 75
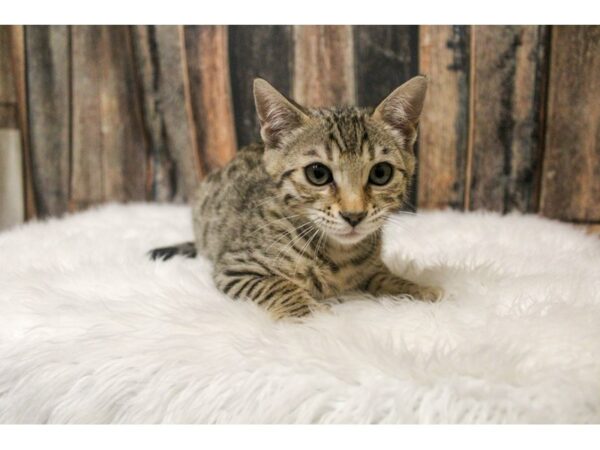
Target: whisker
264 201
318 249
271 222
293 241
304 249
285 233
398 222
391 204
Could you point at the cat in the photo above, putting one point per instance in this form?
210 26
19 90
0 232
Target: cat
297 219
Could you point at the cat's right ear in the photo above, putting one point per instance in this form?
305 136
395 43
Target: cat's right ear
402 108
278 116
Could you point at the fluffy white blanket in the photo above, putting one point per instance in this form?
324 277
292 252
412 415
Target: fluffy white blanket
93 331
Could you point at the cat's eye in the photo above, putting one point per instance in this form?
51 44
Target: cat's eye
318 174
381 173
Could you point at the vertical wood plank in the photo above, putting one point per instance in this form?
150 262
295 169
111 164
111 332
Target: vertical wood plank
212 105
257 51
17 44
385 56
12 205
571 179
8 116
8 93
109 148
174 160
323 65
48 79
87 161
508 78
444 127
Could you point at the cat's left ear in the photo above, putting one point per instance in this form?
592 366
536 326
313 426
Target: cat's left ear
401 109
278 115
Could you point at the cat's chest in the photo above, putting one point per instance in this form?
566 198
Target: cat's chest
339 272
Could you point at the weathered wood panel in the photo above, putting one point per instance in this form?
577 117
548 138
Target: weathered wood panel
257 51
8 93
8 116
11 207
48 79
324 65
143 112
212 105
19 87
444 128
571 179
109 149
174 164
506 86
384 58
12 200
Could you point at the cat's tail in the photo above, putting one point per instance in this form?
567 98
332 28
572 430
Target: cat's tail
187 249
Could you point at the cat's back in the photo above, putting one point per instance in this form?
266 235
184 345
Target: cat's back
223 199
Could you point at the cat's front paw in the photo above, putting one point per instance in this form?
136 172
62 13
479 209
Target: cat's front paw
299 310
429 293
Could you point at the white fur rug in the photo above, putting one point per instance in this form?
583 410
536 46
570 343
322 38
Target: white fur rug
93 331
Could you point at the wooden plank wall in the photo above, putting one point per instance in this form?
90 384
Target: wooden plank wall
125 113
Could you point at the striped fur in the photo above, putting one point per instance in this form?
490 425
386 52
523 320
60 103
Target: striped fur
282 242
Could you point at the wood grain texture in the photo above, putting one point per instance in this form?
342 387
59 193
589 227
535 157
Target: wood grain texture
571 179
174 164
109 149
506 86
444 127
211 101
48 80
257 51
385 56
11 184
16 37
8 116
324 65
511 121
12 201
8 93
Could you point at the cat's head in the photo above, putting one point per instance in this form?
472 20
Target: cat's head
345 169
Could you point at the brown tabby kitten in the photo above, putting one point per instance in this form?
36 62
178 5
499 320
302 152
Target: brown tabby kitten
297 220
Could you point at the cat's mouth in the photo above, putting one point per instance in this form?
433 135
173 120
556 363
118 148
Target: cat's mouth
350 234
348 237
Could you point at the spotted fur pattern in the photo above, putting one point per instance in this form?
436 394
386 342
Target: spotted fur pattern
281 241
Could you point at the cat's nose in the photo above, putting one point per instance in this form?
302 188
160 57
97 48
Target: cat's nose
353 218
